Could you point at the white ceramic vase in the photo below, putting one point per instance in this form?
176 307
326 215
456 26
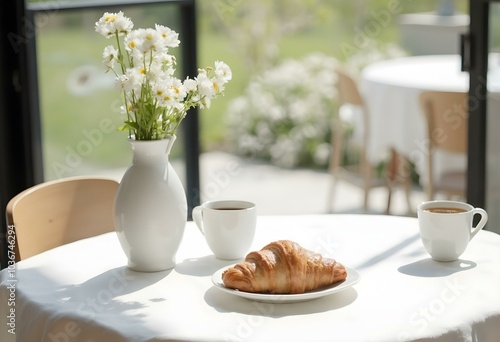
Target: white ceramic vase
150 208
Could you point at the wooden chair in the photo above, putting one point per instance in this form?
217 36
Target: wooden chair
57 212
446 115
362 173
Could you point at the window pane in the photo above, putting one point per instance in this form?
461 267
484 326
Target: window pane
80 107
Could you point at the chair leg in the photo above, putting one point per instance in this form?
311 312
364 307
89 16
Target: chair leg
367 179
398 173
391 177
389 197
407 189
404 176
335 161
365 200
331 193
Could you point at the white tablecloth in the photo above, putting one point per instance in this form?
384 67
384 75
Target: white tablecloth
392 89
84 292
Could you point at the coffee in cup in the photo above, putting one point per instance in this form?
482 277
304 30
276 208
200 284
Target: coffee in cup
446 227
446 210
228 227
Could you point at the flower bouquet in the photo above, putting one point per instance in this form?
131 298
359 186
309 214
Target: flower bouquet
155 100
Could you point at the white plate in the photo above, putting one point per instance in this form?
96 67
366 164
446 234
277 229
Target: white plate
352 278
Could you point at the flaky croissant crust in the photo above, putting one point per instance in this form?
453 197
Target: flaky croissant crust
283 267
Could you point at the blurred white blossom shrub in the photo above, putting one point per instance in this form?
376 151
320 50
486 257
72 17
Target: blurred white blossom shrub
285 114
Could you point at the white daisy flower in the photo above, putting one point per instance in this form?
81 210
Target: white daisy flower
109 55
169 36
190 85
205 85
113 23
223 71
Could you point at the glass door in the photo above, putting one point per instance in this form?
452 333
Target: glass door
493 119
482 59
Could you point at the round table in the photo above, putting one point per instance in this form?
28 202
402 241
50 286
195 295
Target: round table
392 89
84 292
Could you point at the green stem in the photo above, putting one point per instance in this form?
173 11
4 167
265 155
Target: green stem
120 54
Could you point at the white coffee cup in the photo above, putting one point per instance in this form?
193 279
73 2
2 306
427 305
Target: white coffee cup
228 226
446 227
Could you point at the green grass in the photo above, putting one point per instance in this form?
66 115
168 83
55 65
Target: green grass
71 123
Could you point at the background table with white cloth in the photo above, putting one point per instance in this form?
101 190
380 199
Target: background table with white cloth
392 89
84 292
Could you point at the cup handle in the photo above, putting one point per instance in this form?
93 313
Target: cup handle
198 218
481 223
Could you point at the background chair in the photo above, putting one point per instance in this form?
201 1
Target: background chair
446 116
57 212
362 173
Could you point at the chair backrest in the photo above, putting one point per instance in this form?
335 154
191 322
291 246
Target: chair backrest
57 212
446 115
348 92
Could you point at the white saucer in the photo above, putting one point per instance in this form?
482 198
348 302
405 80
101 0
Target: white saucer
352 278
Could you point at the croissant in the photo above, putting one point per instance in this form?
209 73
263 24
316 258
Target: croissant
283 267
